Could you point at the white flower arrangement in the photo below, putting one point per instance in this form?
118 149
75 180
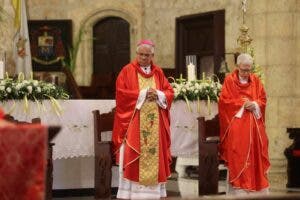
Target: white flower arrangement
204 89
31 89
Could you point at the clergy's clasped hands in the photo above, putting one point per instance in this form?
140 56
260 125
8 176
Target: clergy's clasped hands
151 94
249 105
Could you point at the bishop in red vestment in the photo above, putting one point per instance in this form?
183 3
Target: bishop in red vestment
244 143
142 123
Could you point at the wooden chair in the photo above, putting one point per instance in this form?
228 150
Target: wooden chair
103 154
208 155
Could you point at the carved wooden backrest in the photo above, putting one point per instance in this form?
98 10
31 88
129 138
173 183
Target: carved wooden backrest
103 154
209 130
102 122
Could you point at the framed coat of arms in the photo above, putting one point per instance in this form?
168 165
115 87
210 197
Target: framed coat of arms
49 43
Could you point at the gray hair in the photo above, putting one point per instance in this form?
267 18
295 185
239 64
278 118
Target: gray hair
145 45
244 58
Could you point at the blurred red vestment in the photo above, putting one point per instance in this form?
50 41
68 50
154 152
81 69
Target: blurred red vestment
23 154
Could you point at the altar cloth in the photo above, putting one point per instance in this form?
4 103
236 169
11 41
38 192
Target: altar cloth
76 139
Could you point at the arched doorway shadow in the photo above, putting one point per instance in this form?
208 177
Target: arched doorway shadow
88 64
111 51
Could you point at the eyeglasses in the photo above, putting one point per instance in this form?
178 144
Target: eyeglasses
147 55
245 70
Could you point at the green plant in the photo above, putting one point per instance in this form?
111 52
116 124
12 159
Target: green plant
2 12
256 68
70 62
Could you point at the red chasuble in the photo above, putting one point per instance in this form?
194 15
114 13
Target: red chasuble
127 124
244 143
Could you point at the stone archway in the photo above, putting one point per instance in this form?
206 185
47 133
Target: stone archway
84 70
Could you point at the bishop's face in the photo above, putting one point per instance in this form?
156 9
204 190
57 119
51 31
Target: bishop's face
144 56
244 70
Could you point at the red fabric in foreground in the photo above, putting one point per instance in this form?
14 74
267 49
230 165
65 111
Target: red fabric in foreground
23 162
1 114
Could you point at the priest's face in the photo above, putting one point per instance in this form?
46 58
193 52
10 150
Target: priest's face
144 56
244 70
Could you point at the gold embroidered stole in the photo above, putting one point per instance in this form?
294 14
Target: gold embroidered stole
149 138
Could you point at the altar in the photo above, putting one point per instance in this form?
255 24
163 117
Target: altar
74 147
76 138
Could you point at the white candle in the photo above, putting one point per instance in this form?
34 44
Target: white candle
191 72
1 69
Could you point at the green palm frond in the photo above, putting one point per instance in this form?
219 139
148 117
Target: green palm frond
2 11
70 62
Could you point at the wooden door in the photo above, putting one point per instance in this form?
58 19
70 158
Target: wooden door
111 51
202 35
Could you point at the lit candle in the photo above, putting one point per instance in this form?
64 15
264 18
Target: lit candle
191 72
1 69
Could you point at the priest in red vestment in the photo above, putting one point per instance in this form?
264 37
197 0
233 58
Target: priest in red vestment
244 143
141 134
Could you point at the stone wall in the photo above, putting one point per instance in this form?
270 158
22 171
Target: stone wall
160 21
274 27
296 53
87 13
7 32
275 30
